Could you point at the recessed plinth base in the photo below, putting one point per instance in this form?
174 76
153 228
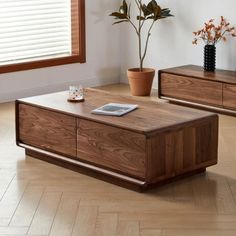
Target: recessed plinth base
126 183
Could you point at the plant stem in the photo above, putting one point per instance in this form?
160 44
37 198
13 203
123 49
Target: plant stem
139 3
146 46
218 40
133 26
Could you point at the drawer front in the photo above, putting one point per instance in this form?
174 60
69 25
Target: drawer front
229 96
111 147
47 130
195 90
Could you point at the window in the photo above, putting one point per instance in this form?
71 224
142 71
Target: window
41 33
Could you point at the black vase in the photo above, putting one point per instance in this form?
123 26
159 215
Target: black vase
209 57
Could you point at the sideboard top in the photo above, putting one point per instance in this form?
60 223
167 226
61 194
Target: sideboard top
150 117
198 72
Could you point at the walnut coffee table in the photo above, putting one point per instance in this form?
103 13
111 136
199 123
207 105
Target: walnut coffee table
152 145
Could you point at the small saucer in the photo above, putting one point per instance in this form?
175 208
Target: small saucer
75 100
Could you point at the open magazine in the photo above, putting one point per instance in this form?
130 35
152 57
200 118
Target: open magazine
115 109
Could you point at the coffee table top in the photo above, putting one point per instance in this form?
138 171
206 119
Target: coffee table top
150 117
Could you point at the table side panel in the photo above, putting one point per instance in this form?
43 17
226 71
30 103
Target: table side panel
188 149
46 129
111 147
207 141
196 90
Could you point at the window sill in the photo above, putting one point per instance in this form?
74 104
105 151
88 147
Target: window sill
42 63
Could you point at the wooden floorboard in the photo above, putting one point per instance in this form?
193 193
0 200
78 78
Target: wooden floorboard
39 199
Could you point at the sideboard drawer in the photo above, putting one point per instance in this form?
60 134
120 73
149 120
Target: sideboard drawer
195 90
47 130
111 147
229 95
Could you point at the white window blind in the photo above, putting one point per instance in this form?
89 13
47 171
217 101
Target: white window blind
34 29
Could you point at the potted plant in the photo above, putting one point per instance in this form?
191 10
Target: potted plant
140 79
211 34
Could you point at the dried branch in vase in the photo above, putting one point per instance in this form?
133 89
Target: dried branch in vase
211 34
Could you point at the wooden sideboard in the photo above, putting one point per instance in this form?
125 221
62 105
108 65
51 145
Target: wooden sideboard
154 144
191 85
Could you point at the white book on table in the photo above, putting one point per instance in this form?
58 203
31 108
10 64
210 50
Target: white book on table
115 109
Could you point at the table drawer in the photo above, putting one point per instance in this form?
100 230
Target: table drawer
229 96
195 90
48 130
111 147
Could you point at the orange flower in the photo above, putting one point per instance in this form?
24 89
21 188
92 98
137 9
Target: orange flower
212 34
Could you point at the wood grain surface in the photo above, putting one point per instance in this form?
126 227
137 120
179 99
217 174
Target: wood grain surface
229 96
149 118
190 89
194 71
174 153
112 147
48 130
192 86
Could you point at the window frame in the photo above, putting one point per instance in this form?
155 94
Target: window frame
74 58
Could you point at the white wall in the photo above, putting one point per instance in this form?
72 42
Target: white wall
102 67
171 38
113 49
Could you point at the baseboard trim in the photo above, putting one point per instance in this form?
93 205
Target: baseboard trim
12 96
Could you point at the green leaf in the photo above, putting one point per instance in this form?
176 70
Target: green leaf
145 10
141 18
153 9
157 11
165 13
121 21
152 5
118 15
124 8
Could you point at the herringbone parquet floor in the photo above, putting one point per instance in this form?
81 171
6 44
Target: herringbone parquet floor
38 198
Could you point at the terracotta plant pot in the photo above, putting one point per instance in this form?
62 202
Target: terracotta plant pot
140 82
